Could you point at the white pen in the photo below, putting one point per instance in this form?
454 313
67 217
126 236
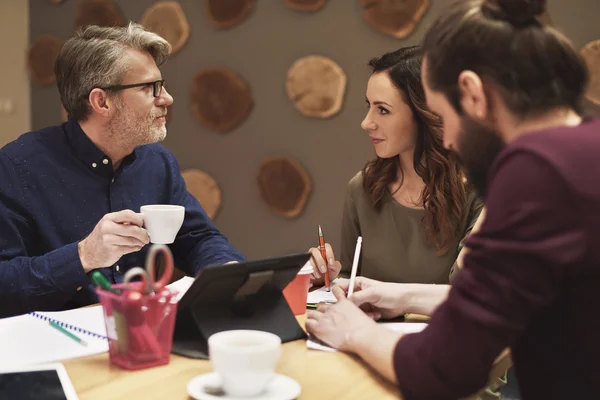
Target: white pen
354 265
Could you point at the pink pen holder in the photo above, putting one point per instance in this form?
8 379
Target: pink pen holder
139 327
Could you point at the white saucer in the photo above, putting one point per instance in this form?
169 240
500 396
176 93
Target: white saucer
281 387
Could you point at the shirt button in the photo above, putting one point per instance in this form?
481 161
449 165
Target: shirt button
113 180
79 288
105 161
94 165
117 268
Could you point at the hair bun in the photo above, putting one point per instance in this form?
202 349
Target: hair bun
517 12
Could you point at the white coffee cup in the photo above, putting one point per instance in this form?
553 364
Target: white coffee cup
162 221
244 359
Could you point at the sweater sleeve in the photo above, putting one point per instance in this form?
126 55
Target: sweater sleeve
512 273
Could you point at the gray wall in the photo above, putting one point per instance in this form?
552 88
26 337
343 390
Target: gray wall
262 49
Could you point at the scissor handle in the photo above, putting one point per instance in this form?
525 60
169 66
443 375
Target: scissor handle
146 283
151 265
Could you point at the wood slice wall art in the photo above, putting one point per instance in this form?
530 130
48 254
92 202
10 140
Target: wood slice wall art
316 85
225 14
591 55
306 5
205 189
221 99
167 19
283 185
397 18
98 12
41 58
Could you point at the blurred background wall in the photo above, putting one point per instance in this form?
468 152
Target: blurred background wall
261 49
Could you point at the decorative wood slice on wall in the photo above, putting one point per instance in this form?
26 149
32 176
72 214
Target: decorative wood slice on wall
204 188
221 99
41 58
316 85
284 185
397 18
225 14
591 54
306 5
98 12
167 19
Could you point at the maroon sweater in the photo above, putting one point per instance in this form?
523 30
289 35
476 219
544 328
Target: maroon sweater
531 281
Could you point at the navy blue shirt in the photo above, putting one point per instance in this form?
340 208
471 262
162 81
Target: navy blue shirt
55 185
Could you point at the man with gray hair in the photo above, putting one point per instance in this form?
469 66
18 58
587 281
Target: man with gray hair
68 193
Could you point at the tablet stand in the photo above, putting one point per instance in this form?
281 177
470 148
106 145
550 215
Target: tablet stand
236 298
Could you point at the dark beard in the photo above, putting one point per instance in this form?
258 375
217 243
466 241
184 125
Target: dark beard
477 147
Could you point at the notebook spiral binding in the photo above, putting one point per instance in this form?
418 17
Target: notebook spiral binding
68 326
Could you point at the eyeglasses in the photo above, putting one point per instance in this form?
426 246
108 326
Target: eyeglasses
157 87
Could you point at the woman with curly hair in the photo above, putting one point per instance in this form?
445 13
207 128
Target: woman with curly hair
411 204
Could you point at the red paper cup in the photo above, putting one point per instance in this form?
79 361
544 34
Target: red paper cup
296 291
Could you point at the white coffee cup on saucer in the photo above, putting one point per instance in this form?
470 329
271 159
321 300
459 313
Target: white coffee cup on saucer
244 359
162 221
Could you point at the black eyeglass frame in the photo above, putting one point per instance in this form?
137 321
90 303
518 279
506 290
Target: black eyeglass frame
157 87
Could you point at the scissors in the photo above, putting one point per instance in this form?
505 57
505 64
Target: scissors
149 284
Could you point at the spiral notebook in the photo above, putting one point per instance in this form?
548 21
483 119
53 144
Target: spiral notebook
29 339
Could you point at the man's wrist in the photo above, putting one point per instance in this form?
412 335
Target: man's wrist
81 252
358 340
424 298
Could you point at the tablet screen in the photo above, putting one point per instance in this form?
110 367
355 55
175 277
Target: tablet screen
31 385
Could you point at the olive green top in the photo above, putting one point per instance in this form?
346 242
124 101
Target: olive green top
393 246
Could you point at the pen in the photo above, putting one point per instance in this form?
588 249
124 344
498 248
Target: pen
354 265
66 332
324 255
101 281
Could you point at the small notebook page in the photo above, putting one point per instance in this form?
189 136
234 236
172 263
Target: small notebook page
181 286
322 295
403 327
27 339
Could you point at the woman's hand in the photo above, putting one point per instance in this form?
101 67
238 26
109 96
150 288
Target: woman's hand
379 299
321 266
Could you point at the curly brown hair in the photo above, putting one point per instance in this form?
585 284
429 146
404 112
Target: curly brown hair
445 192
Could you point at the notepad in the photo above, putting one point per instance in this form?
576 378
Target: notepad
181 286
29 339
402 327
322 295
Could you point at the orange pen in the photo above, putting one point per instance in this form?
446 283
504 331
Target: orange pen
324 255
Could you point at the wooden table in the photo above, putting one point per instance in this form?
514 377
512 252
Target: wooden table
322 375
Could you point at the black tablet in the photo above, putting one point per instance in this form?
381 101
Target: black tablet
246 295
222 282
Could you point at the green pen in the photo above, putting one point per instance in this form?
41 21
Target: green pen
66 332
101 281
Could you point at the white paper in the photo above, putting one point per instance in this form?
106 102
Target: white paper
27 339
181 286
322 295
402 327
